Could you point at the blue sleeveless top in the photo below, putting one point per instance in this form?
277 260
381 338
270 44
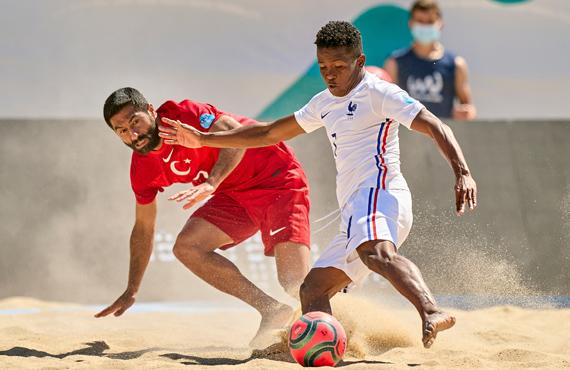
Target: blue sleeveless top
432 82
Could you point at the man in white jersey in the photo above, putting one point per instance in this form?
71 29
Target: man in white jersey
361 114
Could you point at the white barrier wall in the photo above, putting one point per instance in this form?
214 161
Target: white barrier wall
68 210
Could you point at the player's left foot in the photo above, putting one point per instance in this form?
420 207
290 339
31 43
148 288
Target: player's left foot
433 324
273 319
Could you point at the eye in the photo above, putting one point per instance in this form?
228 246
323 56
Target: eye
122 131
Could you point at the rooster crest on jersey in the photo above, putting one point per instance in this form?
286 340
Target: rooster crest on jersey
351 109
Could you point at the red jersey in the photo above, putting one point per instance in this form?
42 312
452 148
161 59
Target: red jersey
171 164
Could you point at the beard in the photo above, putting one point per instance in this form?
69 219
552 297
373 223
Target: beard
153 141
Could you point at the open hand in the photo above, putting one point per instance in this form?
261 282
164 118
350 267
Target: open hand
194 195
179 134
465 193
118 307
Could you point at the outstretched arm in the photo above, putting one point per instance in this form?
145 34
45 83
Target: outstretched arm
227 161
142 238
251 136
465 187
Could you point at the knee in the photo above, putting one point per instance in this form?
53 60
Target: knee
185 252
310 290
303 293
378 258
179 251
291 280
291 286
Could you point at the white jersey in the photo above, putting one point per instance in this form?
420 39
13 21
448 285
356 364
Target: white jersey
362 128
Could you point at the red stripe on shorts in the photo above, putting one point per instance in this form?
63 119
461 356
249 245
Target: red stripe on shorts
374 215
384 152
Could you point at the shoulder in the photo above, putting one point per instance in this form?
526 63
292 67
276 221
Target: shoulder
169 107
190 112
453 58
460 65
460 62
378 89
401 53
319 99
185 106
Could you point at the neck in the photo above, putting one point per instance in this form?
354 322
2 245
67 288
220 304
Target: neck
431 51
161 141
356 81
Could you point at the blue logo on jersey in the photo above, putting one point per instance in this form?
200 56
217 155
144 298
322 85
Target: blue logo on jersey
351 108
206 120
407 98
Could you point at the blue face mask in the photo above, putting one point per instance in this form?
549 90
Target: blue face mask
426 34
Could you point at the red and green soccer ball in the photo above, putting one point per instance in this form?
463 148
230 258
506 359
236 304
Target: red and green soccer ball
317 339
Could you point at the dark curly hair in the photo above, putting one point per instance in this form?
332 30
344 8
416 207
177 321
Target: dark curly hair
120 99
340 33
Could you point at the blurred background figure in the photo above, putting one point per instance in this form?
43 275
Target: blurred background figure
433 75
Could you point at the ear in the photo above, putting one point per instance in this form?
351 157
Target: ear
361 60
151 111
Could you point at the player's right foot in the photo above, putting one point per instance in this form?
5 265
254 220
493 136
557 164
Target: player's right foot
275 318
435 323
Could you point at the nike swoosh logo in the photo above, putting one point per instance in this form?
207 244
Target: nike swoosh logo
168 158
348 242
324 115
273 232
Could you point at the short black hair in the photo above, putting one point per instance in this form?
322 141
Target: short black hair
340 33
425 5
120 99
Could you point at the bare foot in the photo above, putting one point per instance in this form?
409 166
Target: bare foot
275 318
435 323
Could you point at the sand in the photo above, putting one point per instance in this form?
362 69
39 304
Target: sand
63 336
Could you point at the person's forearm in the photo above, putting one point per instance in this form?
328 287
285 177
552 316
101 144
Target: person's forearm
141 244
450 149
255 135
228 160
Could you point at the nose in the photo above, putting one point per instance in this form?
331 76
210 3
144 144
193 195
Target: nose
133 133
330 75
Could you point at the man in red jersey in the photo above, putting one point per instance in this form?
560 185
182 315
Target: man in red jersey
261 189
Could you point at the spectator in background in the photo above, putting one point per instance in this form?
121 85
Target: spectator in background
429 72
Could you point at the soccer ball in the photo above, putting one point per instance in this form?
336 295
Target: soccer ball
317 339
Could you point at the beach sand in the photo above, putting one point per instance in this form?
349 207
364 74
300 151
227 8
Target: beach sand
63 336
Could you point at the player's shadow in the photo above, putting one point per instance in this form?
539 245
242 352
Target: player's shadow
276 352
343 363
98 348
93 349
273 353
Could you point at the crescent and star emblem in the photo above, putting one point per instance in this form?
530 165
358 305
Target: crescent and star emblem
180 173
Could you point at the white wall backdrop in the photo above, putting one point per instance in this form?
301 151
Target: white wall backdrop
62 58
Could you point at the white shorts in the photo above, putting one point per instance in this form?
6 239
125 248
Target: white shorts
369 214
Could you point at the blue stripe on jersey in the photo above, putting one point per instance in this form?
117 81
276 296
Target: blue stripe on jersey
368 224
348 230
379 154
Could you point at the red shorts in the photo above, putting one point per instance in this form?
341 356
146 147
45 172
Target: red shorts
280 212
